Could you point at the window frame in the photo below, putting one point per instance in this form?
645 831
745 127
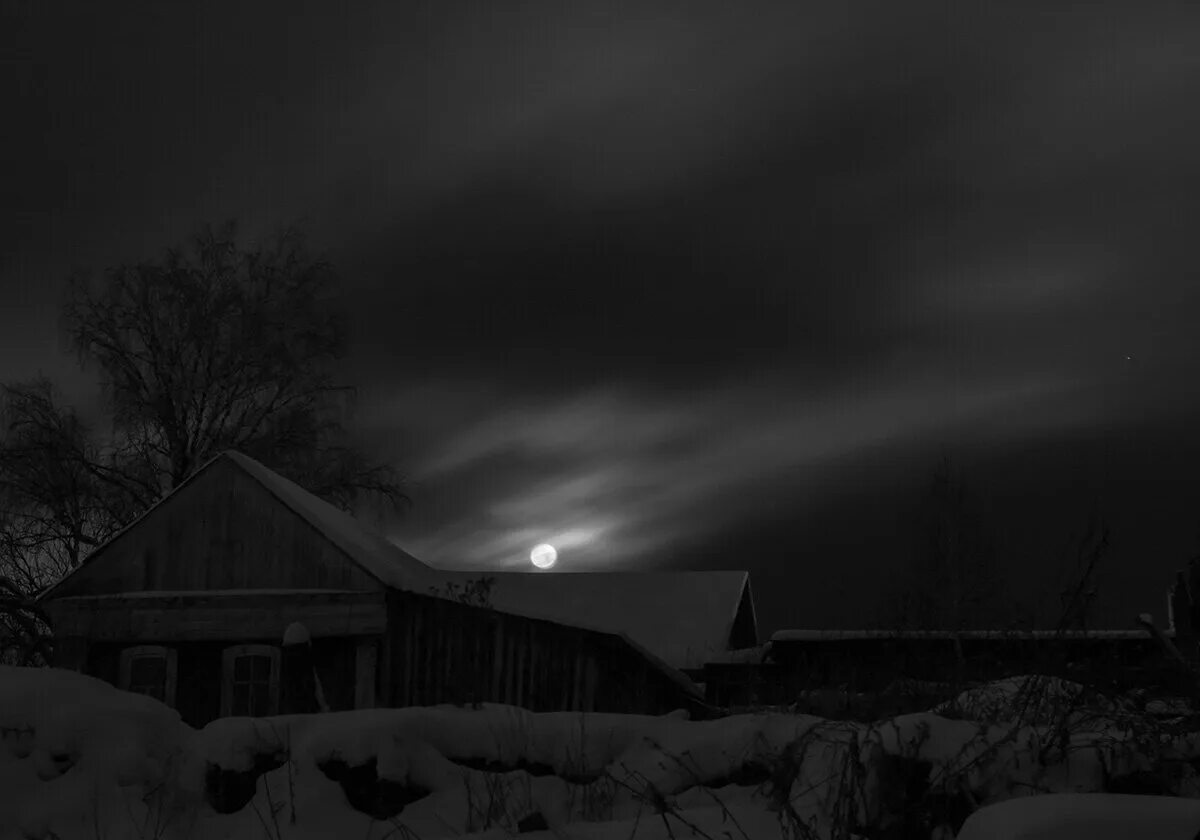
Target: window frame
234 652
170 679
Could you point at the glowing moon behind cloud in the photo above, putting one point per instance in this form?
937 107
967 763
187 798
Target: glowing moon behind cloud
543 556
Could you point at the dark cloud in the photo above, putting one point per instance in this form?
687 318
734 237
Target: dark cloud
618 476
691 286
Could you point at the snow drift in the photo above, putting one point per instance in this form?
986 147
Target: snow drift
82 759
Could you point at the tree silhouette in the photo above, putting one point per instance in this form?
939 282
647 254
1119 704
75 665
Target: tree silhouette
953 582
216 346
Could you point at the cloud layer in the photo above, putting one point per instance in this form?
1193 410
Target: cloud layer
645 284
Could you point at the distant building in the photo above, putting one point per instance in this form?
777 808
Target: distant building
190 602
795 663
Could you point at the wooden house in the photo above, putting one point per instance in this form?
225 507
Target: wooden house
190 602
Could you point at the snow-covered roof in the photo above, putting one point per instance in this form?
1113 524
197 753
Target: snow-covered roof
684 618
379 557
371 551
1030 635
742 656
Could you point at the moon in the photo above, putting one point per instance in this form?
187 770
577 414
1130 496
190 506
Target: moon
543 556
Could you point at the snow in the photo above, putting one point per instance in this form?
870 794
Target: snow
1005 700
82 759
296 634
1088 816
751 655
75 745
1170 707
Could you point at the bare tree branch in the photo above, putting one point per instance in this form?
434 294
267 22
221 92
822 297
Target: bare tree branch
223 347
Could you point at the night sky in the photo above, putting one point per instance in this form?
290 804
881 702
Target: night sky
687 285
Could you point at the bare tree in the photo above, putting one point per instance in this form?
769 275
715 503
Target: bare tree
24 628
1077 593
954 581
475 593
216 346
224 347
58 497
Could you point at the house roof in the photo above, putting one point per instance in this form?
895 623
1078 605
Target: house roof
374 553
383 560
684 618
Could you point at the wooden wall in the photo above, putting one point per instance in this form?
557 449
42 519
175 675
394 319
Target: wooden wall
215 616
418 651
439 651
224 531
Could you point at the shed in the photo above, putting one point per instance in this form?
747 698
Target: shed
684 618
190 601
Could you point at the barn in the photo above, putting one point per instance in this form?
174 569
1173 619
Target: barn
190 603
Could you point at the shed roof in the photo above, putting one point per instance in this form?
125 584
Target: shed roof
684 618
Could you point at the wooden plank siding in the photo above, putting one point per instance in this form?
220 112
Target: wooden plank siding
446 652
216 616
226 532
430 650
364 674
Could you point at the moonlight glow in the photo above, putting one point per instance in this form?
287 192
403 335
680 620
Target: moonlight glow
543 556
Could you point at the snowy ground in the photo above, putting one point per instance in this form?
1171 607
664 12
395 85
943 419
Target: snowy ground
1086 816
82 759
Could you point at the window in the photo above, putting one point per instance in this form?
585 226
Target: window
151 670
250 681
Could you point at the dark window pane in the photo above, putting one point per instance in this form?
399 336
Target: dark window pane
148 670
157 690
261 699
251 680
